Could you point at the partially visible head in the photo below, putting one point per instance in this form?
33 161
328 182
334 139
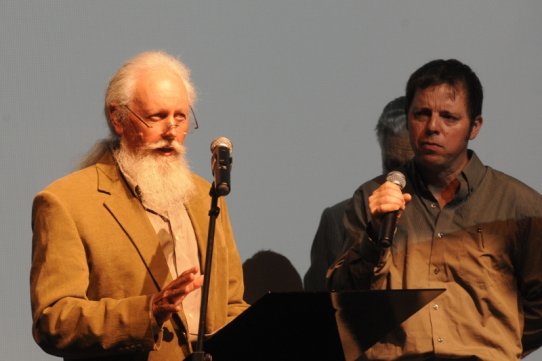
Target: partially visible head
268 271
392 135
152 84
453 73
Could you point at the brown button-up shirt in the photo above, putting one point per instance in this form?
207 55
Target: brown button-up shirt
484 248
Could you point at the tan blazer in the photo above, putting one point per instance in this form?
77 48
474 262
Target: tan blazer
96 262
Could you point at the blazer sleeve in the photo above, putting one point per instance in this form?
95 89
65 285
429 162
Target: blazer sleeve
236 304
65 320
315 278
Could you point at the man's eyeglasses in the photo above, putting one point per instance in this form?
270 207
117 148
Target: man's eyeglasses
152 123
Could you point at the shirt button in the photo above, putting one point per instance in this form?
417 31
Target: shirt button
440 339
436 270
433 205
440 234
435 307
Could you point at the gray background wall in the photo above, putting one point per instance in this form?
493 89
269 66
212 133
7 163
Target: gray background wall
296 85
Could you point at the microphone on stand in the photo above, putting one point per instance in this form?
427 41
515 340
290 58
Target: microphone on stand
221 161
389 220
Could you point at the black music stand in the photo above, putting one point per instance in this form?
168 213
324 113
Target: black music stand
315 325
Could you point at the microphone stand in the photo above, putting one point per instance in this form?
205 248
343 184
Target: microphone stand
199 354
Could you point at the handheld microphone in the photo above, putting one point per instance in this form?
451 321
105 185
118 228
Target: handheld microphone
221 160
389 220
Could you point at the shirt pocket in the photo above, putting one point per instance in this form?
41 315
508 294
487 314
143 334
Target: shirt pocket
485 256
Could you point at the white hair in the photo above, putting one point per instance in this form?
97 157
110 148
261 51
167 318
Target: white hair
121 89
122 84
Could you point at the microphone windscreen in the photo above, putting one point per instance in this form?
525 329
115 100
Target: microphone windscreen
221 142
397 177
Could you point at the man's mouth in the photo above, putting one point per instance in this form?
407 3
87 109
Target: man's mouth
429 146
166 150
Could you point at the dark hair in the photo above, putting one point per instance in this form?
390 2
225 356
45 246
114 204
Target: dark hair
451 72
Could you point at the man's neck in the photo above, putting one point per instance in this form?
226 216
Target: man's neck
446 193
443 183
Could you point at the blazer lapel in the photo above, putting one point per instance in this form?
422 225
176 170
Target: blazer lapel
130 215
197 212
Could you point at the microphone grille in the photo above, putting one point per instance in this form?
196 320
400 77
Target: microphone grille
397 178
221 142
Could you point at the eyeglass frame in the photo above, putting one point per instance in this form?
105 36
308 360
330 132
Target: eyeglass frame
140 118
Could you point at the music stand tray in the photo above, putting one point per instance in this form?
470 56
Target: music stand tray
314 325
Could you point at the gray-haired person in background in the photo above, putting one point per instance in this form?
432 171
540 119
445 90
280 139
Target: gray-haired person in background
330 238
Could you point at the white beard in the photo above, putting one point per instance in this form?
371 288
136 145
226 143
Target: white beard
164 181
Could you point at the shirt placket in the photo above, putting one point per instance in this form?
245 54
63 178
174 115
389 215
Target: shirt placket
439 275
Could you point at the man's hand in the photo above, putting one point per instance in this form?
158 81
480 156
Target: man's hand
386 198
168 301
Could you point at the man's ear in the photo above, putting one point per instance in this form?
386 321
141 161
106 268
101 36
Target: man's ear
475 127
113 111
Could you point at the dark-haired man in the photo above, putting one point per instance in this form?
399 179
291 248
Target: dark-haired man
463 226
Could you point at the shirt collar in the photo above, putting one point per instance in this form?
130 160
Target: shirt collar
469 179
474 172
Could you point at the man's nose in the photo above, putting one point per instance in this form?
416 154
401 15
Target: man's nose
170 129
433 124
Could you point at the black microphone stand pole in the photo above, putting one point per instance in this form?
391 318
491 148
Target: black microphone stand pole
199 354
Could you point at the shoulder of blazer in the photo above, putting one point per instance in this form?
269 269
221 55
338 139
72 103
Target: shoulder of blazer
100 176
108 174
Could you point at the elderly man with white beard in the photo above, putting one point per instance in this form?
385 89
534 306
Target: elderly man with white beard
118 246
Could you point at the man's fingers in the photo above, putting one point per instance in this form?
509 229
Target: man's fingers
176 293
187 276
387 198
383 203
167 308
190 273
198 281
169 299
192 270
